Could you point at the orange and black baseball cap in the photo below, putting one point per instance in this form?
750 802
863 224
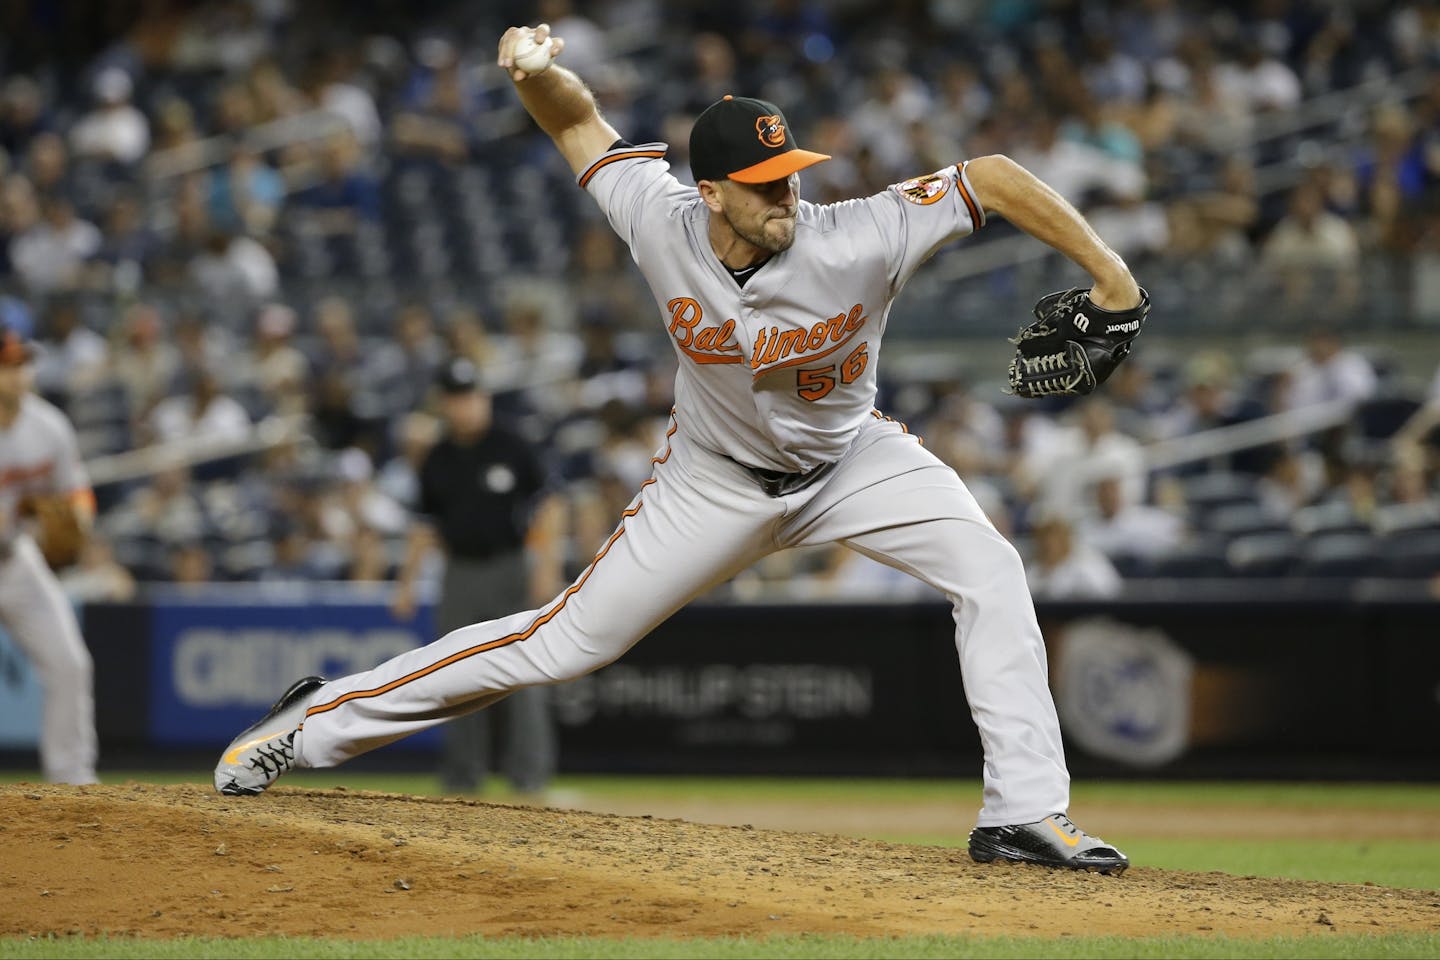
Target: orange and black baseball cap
740 138
14 349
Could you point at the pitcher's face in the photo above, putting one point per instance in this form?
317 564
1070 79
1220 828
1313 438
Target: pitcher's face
761 214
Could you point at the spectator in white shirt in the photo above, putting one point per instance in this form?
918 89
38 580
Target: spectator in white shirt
115 130
1120 529
894 101
1073 456
1065 568
1079 172
1264 82
234 269
205 414
585 45
1312 241
49 255
399 478
1330 372
75 357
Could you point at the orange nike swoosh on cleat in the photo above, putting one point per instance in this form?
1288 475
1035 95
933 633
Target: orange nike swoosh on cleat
1069 841
234 755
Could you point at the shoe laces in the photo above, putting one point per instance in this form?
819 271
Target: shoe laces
274 757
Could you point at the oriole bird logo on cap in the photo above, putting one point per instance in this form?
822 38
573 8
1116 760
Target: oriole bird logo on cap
771 131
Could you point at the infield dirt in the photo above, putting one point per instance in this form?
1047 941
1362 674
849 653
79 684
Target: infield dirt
165 861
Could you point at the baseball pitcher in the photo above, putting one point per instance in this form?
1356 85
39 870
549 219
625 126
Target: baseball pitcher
777 309
46 508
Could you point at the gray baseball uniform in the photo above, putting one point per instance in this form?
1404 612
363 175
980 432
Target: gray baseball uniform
777 376
38 454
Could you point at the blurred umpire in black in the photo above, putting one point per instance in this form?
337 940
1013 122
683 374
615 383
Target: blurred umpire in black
482 490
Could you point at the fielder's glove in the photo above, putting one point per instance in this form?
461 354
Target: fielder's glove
57 531
1072 346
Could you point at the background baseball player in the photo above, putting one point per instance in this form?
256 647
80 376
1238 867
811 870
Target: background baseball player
777 309
46 507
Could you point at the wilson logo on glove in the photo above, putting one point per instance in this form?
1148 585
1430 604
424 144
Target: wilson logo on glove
1057 356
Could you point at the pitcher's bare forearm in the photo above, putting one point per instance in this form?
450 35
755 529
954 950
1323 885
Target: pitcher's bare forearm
559 102
1004 187
557 99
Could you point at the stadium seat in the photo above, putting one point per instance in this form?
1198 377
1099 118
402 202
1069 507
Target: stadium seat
1274 554
1241 519
1203 558
1207 491
1336 516
1338 555
1412 554
1380 418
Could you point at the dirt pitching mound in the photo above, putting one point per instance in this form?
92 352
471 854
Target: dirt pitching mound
164 861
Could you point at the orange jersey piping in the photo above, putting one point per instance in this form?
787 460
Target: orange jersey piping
529 631
595 167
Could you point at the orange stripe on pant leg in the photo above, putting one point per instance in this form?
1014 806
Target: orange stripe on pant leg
529 631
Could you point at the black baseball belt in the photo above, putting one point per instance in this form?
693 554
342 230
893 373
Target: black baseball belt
777 484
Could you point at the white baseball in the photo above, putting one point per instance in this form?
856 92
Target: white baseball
532 57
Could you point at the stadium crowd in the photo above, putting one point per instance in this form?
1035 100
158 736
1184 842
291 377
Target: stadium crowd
212 213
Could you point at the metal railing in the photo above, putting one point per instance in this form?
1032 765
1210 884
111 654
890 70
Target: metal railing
1222 441
193 451
263 138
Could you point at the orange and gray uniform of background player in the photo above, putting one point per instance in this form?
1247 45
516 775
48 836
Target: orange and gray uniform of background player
777 375
39 455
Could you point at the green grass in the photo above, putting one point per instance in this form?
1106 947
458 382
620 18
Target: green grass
1387 863
1325 946
1304 795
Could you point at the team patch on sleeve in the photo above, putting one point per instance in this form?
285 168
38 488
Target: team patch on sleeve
923 190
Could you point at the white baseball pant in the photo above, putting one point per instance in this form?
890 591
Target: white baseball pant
41 622
700 519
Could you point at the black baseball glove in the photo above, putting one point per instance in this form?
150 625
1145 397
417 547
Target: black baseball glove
1072 346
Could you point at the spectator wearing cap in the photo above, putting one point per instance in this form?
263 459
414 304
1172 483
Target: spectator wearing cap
482 493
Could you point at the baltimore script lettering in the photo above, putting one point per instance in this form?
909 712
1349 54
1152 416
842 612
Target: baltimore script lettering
713 343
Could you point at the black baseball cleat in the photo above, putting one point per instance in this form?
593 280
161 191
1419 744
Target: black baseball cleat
1052 842
257 757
